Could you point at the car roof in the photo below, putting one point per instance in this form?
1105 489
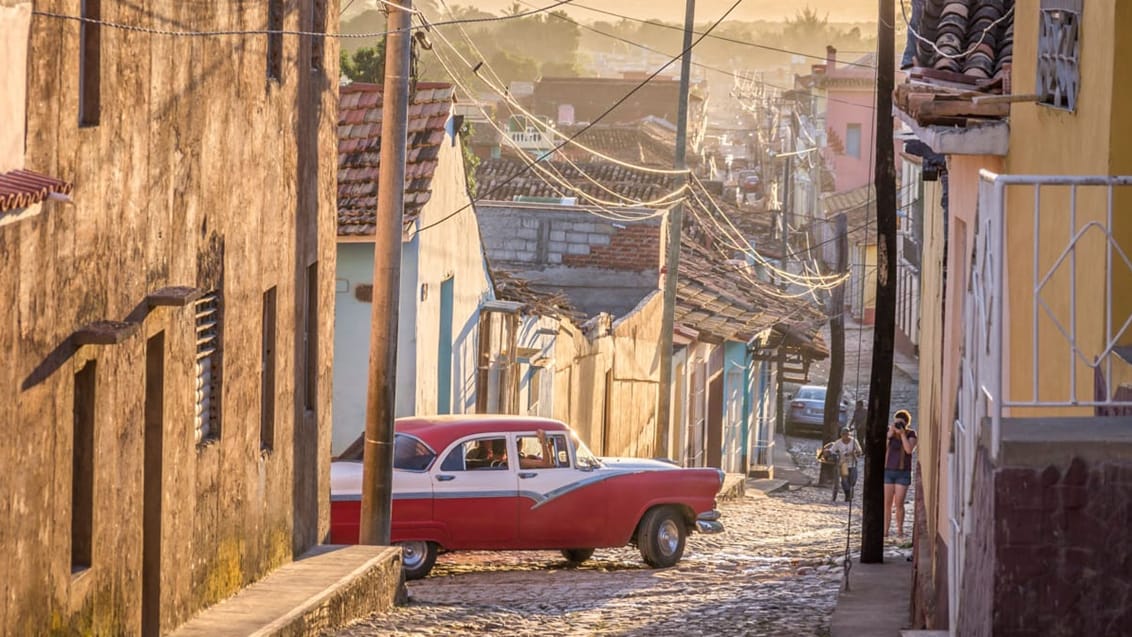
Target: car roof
440 431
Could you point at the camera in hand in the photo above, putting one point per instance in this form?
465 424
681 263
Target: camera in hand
898 424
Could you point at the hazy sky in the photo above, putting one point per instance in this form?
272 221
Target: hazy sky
673 10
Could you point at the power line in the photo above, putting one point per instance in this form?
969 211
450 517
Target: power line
561 182
716 37
730 74
591 124
318 34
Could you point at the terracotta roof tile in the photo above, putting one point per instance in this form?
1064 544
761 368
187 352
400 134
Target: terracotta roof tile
359 156
957 26
22 188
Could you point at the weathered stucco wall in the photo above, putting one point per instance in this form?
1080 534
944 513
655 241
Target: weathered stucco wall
1090 141
449 250
200 172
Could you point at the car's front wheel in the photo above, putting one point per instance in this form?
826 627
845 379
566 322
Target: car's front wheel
577 556
417 558
661 537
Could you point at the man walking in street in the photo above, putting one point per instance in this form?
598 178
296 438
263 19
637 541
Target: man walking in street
847 450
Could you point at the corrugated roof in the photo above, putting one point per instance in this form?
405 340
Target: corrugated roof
359 151
22 188
494 179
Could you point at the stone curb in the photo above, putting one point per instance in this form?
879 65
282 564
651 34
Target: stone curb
325 589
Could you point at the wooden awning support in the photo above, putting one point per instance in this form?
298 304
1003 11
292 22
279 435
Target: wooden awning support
104 333
173 296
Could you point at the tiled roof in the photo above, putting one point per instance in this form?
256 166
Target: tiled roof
716 297
958 26
22 188
359 151
859 206
494 180
647 143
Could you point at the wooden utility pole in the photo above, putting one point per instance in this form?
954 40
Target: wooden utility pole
836 348
672 248
377 461
780 390
884 330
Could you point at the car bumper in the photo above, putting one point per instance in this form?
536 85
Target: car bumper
708 522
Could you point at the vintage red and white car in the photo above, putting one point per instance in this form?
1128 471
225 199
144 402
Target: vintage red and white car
490 482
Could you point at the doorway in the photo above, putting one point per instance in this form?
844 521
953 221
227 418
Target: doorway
714 451
444 349
151 489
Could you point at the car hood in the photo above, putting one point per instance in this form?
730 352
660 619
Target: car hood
638 464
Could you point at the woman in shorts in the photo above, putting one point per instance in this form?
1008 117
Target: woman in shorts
898 469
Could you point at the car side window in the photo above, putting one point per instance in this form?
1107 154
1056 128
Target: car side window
548 451
410 454
480 453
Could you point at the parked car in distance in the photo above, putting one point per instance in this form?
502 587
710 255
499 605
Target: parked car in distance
492 482
807 410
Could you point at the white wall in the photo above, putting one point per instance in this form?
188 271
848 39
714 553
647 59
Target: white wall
450 249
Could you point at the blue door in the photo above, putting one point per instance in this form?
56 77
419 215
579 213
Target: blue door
444 350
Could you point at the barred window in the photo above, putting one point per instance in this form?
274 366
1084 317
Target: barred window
208 355
1059 48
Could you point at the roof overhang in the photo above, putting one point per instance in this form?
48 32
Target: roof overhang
991 138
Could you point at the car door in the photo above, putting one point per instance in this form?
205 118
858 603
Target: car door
413 517
556 509
475 493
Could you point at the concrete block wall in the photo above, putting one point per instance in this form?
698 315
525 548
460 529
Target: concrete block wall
532 237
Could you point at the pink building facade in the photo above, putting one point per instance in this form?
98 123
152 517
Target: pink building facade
850 119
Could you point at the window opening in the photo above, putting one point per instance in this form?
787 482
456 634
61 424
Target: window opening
275 40
318 25
853 140
310 336
208 368
82 468
267 369
90 63
1059 74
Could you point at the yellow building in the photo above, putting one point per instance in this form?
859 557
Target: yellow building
1029 307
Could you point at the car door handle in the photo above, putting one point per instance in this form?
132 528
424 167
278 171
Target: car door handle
528 474
444 478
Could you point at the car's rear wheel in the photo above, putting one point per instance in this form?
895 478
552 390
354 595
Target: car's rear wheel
417 558
577 556
661 537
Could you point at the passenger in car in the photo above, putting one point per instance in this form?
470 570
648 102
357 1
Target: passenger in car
544 461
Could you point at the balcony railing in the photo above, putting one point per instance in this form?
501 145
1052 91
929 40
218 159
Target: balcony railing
532 140
1062 232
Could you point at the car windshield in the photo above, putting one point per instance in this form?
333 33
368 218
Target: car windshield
811 393
584 458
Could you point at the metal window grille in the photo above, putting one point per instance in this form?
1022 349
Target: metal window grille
208 368
1059 46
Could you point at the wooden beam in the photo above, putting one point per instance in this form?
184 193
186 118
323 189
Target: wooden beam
104 333
1007 99
942 107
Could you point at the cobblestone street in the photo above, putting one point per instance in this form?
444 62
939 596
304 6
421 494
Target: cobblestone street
775 571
